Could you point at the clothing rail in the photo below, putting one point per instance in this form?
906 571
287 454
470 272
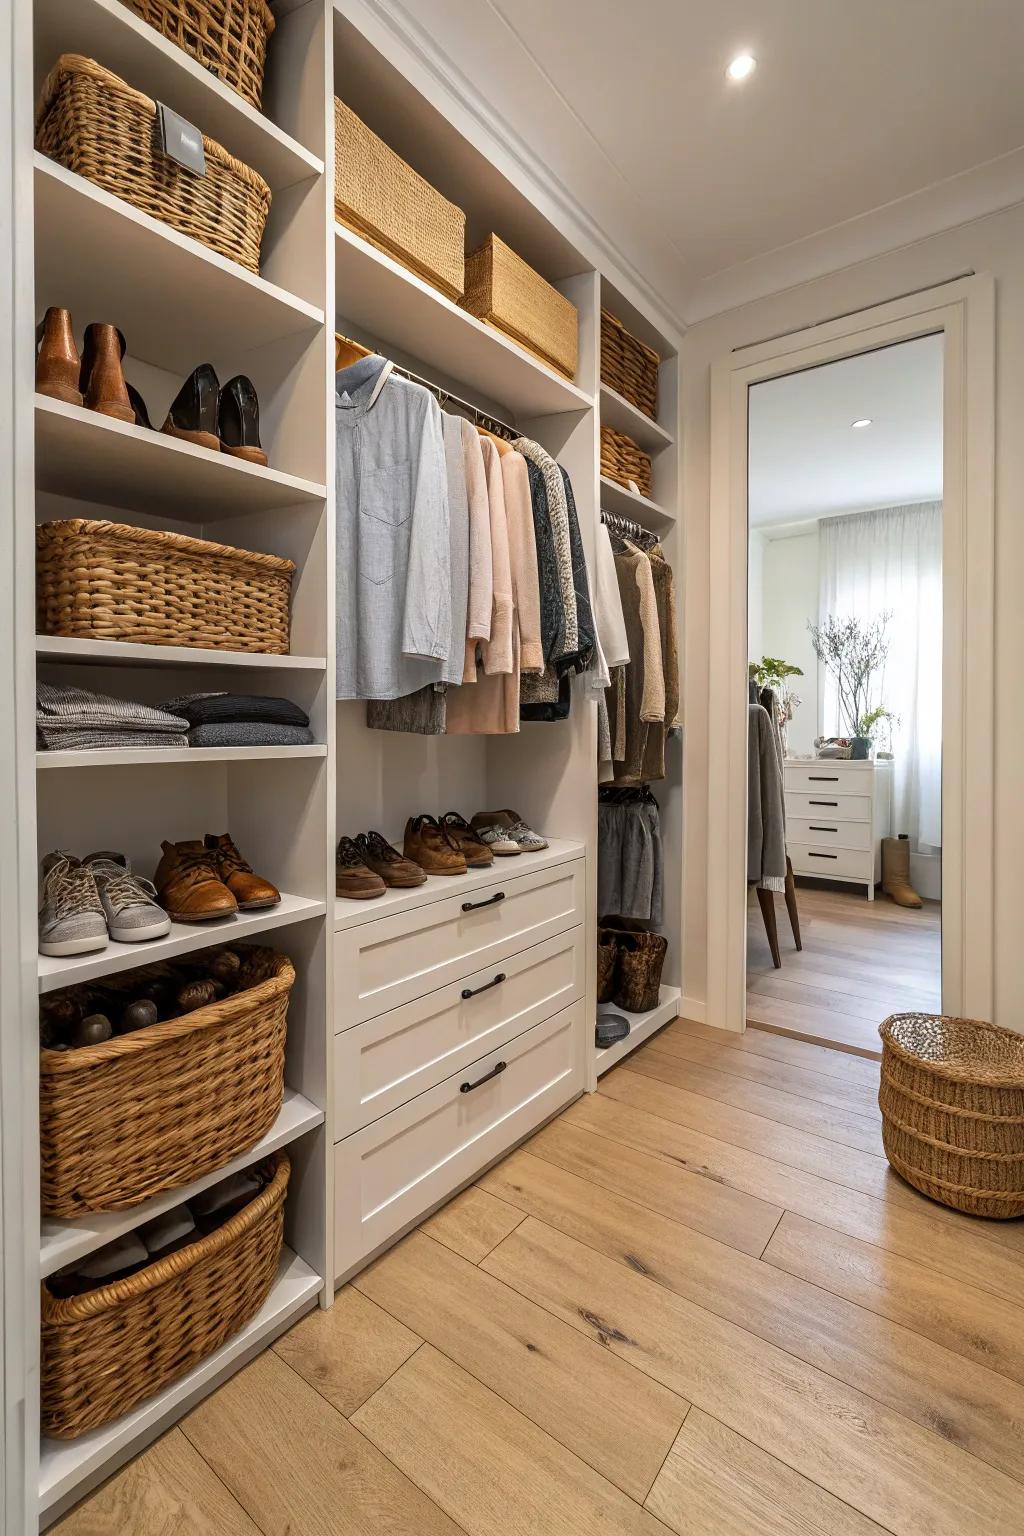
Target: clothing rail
626 526
443 396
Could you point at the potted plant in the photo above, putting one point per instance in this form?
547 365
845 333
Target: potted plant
772 672
870 726
853 651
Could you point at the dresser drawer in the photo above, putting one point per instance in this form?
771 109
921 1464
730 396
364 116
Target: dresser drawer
823 805
832 863
388 1174
847 778
381 965
822 833
386 1061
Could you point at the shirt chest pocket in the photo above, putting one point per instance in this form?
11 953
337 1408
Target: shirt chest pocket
385 508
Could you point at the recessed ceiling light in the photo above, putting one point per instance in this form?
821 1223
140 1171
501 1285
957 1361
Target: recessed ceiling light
742 65
862 421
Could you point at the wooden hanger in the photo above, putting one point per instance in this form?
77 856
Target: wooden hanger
502 444
347 351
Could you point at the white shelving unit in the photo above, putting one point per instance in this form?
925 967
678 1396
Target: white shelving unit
641 1027
619 498
120 653
624 416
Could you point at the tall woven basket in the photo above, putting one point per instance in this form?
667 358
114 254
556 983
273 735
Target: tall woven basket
629 365
952 1102
110 1348
228 37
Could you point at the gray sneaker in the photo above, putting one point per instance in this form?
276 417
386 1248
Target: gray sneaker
528 840
130 906
71 920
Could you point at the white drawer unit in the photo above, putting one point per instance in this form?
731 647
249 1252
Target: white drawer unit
837 813
828 805
832 863
387 1060
828 834
393 1170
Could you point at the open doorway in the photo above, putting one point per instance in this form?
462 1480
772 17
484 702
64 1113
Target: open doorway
845 622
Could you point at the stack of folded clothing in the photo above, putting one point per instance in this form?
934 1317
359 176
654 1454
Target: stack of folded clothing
241 720
73 719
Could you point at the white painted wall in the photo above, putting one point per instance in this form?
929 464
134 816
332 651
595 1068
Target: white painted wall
788 598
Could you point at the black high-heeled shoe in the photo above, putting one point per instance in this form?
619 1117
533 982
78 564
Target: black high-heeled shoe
194 409
238 420
138 405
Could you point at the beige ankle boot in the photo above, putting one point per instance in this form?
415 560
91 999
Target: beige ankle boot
896 871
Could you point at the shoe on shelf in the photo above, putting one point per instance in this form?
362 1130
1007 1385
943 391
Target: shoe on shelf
250 890
238 420
469 842
378 855
490 828
58 365
188 886
193 411
138 405
129 903
353 878
527 839
102 380
428 845
71 920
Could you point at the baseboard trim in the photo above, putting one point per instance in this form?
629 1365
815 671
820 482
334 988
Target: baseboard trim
694 1009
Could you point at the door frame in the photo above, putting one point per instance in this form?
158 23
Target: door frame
964 313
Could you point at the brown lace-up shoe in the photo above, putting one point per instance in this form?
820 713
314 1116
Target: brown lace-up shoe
353 878
469 842
432 849
251 891
187 885
377 854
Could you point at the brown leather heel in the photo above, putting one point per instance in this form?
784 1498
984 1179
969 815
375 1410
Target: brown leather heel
102 378
250 455
201 439
58 364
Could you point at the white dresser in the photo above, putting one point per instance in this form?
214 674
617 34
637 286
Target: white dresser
837 813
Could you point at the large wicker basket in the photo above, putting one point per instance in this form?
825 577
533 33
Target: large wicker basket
228 37
145 1112
391 206
107 1350
90 121
503 290
952 1102
109 581
623 460
628 365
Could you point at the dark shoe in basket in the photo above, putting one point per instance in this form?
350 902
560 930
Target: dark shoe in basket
238 420
193 413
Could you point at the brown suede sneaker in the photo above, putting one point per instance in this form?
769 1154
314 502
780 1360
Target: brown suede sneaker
469 842
427 842
251 891
353 878
377 854
187 885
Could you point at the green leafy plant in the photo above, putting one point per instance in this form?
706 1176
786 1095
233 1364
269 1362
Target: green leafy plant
853 651
870 725
772 672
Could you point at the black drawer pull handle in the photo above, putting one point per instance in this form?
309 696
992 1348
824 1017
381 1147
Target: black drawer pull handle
475 991
823 829
823 778
471 906
495 1071
824 855
833 803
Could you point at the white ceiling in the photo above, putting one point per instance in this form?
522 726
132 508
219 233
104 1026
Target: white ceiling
807 461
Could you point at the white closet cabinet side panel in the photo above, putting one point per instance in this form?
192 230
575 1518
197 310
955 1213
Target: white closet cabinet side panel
387 1060
389 1174
384 964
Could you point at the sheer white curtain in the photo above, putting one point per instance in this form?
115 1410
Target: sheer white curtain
890 561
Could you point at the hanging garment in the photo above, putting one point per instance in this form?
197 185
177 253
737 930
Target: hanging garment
580 659
393 579
422 713
558 512
766 824
458 544
630 855
609 623
522 548
639 692
664 593
496 653
481 576
552 608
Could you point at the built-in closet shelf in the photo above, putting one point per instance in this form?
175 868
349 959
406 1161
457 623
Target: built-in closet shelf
107 31
64 1242
183 939
94 458
121 653
616 498
641 1027
135 757
68 1468
618 412
349 914
393 306
177 302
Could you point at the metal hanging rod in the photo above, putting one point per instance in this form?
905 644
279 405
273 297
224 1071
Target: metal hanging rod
626 525
443 396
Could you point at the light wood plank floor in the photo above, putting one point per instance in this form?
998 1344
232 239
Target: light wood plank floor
697 1303
861 961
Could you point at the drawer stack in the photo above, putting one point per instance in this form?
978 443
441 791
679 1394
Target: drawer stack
459 1015
837 813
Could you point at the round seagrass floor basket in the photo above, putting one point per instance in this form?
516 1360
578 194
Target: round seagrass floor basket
952 1102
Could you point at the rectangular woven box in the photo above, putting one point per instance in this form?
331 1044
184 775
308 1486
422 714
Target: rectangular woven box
504 290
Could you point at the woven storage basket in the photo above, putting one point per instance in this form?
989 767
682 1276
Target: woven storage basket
503 290
108 581
391 206
122 1121
628 365
623 460
107 1350
228 37
952 1102
90 121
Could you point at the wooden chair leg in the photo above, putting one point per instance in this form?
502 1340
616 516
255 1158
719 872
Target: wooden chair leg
766 901
791 907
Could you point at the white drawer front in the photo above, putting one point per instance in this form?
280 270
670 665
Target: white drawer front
846 778
382 965
389 1173
826 805
832 863
388 1060
823 833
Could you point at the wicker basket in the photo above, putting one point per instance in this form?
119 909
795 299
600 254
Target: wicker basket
107 1350
122 1121
607 966
952 1102
511 296
390 205
623 460
629 366
228 37
108 581
90 121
